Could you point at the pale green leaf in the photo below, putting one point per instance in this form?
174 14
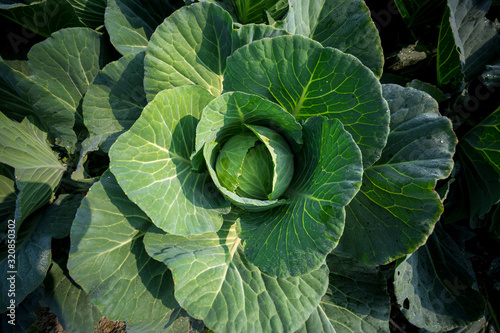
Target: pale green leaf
248 11
115 99
66 63
189 48
38 170
282 159
131 23
216 283
252 32
107 257
22 97
152 164
226 116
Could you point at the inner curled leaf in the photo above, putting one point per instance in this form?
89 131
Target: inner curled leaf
257 164
244 166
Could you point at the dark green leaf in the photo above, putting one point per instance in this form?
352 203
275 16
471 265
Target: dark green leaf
479 152
69 302
397 206
448 58
294 239
432 90
249 11
307 79
8 193
152 164
33 245
60 214
90 12
25 316
434 286
42 17
419 12
356 300
342 24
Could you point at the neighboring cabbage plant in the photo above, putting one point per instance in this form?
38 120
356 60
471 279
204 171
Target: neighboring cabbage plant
258 187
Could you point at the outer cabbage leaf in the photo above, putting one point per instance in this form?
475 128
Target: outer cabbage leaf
475 36
25 313
397 206
42 17
115 99
33 246
37 168
479 153
342 24
131 23
22 97
33 259
111 105
90 12
448 58
8 193
69 302
152 164
216 283
491 75
419 12
356 300
107 237
66 63
434 286
189 47
307 79
294 239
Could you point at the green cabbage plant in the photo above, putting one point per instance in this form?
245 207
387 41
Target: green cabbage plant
237 166
256 172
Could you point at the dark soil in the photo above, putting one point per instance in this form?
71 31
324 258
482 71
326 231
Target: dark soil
47 322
